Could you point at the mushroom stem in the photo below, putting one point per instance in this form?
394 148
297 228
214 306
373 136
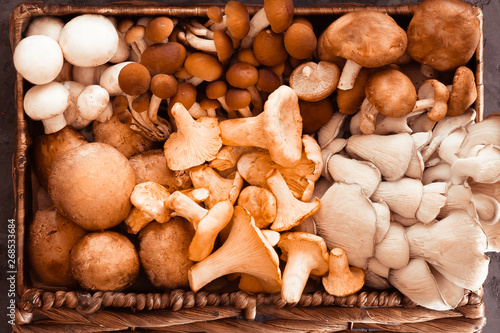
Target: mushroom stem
368 115
256 100
206 45
200 30
295 275
257 23
348 76
183 206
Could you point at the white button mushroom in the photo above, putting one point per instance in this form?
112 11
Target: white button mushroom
45 25
89 40
38 59
47 103
92 102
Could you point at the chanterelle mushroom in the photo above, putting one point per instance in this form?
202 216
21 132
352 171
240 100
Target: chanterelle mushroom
278 128
246 250
342 280
304 254
194 143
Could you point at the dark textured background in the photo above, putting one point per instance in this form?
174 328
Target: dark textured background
491 10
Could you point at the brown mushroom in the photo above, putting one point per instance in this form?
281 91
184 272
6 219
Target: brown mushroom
269 48
239 99
443 34
134 79
279 13
91 185
237 19
159 28
300 41
314 81
203 66
366 38
315 114
463 92
349 101
164 58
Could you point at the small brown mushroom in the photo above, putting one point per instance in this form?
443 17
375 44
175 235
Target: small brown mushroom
463 91
203 66
314 81
300 41
315 114
342 280
159 29
269 48
164 58
279 13
237 19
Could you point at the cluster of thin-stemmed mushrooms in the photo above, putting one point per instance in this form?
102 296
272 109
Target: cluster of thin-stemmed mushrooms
255 148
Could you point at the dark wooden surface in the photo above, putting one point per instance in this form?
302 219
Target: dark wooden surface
491 10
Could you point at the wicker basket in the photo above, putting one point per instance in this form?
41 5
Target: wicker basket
45 310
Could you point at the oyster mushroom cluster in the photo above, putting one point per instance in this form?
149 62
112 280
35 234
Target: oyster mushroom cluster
266 148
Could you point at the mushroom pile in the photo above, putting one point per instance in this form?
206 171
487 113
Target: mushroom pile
265 150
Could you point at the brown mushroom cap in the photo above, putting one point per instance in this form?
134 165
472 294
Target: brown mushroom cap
463 91
159 28
279 13
269 48
135 33
391 92
268 81
186 95
349 101
216 89
443 34
247 55
209 104
163 252
141 102
215 13
223 45
203 66
300 41
242 75
50 146
163 85
91 185
50 231
104 260
237 19
238 98
315 114
134 79
164 58
314 81
369 38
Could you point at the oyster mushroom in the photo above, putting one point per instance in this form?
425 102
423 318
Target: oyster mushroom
481 133
194 143
482 165
341 279
424 285
391 154
393 251
345 208
246 250
455 246
304 254
403 196
290 210
278 128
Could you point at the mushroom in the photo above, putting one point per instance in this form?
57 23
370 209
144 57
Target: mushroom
159 29
389 92
260 203
481 133
228 156
300 41
331 130
304 254
92 102
345 208
223 45
342 169
88 75
119 135
134 79
349 101
290 210
482 165
443 34
163 251
463 91
92 192
455 246
207 223
314 81
220 188
50 230
47 102
424 285
48 147
135 38
391 154
152 166
487 207
164 58
237 19
194 143
109 78
88 40
279 13
255 165
315 114
203 66
163 86
149 200
217 90
403 196
239 99
268 81
45 25
393 251
433 95
278 128
433 199
269 49
341 279
38 58
349 36
104 261
246 250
